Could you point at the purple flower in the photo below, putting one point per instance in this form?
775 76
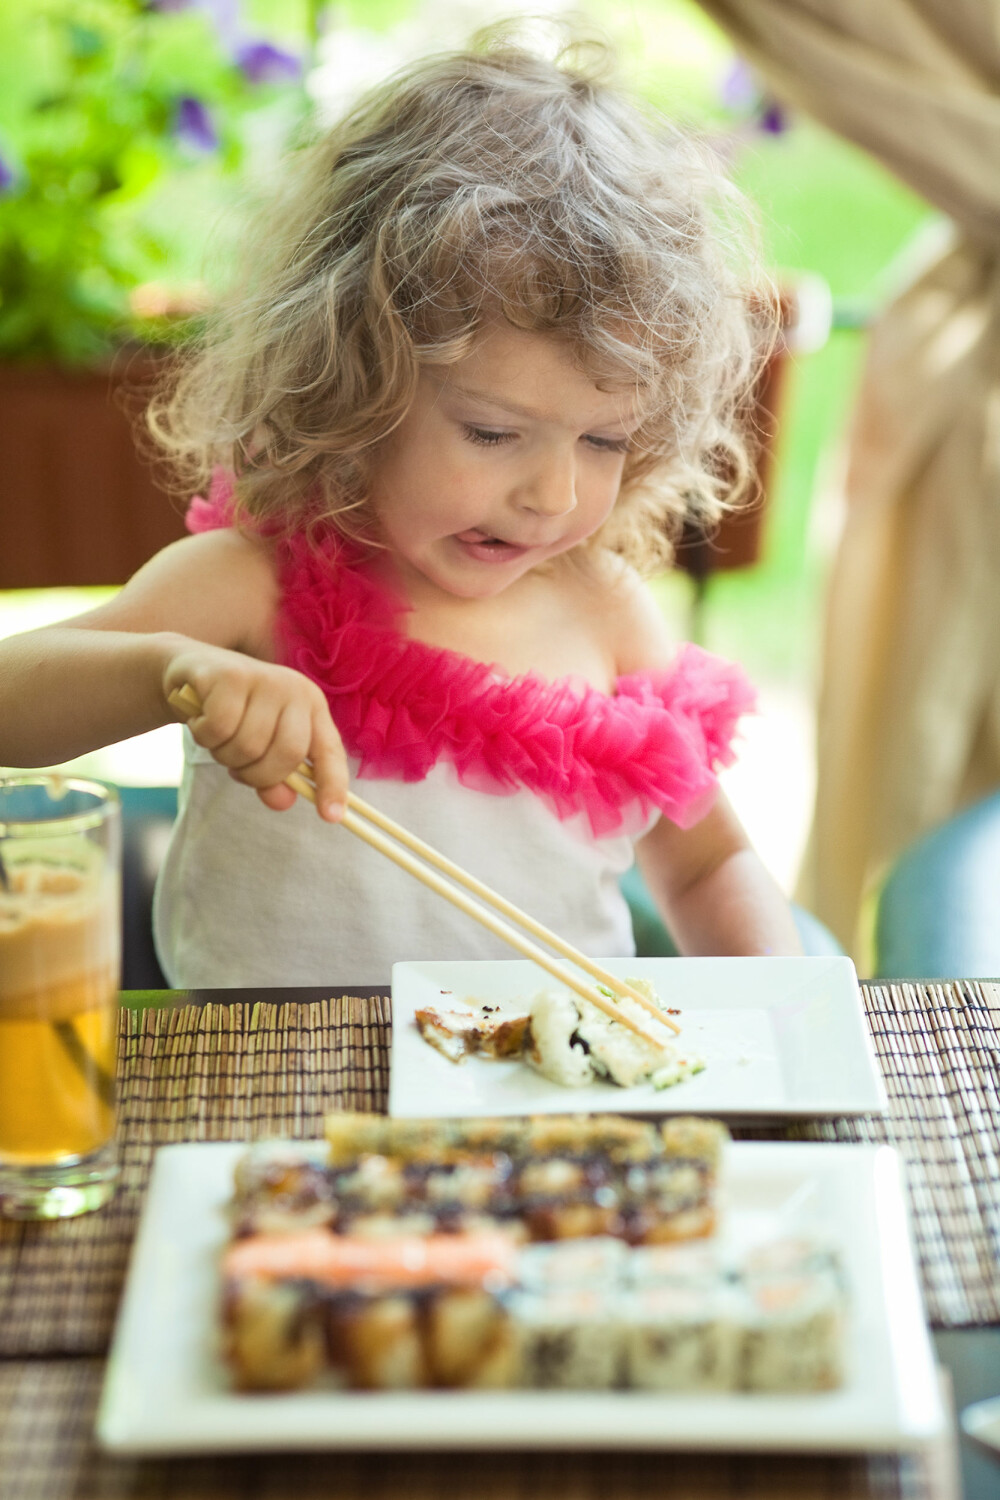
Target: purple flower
262 63
193 125
772 119
6 175
738 88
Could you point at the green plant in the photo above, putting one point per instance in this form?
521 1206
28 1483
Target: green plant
101 101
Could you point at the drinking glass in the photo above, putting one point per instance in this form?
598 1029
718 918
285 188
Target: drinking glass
60 947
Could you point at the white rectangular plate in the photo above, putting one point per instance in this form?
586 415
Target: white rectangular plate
779 1036
166 1389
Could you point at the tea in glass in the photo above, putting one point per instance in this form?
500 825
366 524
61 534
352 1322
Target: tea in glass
60 944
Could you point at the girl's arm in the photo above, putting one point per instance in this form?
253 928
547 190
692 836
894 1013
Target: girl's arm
712 890
201 611
710 887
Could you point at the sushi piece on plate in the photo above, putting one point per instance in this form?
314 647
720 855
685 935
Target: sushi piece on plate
682 1336
572 1043
792 1330
597 1263
273 1335
484 1032
570 1340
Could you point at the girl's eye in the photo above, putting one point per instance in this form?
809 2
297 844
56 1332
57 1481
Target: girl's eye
486 437
609 445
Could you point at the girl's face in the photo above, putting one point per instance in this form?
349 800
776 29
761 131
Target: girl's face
504 460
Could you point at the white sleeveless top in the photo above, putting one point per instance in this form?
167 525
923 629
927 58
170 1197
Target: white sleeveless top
248 896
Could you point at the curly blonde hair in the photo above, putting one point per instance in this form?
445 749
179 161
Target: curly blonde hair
478 184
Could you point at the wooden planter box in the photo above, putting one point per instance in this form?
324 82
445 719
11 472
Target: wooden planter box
78 505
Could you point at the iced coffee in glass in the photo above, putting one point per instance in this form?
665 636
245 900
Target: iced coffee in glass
60 946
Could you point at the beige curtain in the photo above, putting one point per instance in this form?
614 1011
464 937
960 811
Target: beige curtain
909 718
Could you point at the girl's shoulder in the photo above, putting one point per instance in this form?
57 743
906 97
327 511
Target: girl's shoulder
220 587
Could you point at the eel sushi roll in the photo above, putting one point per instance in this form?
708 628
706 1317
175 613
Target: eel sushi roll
273 1334
451 1337
792 1324
569 1340
375 1342
470 1340
682 1336
280 1186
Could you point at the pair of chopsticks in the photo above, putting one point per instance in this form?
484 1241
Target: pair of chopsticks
185 700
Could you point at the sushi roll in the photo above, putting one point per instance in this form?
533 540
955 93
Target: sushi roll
470 1340
569 1340
695 1139
376 1342
573 1043
372 1183
353 1136
555 1048
792 1330
586 1264
616 1052
279 1186
668 1265
614 1136
272 1334
682 1337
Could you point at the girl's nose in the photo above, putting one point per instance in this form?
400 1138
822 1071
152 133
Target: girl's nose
550 488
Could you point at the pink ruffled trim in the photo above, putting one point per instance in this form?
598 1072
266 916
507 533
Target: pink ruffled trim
215 512
401 705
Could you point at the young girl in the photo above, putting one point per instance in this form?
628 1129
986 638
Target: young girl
486 355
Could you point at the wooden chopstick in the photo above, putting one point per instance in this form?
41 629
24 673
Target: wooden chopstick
494 899
186 701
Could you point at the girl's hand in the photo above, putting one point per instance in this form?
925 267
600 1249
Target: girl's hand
259 721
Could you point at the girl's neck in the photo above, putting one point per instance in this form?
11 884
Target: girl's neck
549 621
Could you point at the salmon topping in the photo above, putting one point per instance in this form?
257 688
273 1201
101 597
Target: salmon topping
343 1261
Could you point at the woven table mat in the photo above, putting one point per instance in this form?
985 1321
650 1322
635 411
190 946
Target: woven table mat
240 1071
938 1046
47 1452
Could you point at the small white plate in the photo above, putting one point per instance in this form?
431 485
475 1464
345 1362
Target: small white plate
981 1422
166 1389
779 1036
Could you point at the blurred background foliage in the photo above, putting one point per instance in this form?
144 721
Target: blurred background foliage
130 128
106 108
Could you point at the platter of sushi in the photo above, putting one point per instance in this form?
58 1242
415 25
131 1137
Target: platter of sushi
548 1281
742 1038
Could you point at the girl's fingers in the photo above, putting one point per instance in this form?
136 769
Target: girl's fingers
261 727
288 745
278 798
223 698
252 740
329 769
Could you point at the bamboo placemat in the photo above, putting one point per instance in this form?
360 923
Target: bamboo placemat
938 1045
218 1071
47 1453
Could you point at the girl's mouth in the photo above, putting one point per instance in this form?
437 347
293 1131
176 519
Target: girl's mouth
486 548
